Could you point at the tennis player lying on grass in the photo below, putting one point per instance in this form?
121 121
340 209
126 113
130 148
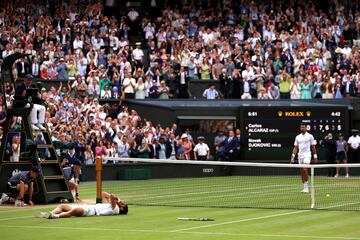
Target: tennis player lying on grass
112 205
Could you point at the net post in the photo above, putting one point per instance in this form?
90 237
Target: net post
312 171
98 168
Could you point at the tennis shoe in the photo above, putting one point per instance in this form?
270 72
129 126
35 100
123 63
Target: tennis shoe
4 198
305 190
19 203
41 215
47 215
336 176
347 176
40 126
34 127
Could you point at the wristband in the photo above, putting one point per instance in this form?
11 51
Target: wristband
315 155
77 194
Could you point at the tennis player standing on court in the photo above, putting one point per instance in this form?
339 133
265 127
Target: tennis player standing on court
304 145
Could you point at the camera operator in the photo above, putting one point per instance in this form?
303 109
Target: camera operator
26 96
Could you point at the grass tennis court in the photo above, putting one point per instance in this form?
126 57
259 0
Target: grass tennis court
259 191
159 222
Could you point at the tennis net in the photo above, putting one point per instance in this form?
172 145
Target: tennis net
229 184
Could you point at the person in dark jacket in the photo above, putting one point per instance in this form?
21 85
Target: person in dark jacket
163 149
330 152
225 81
230 145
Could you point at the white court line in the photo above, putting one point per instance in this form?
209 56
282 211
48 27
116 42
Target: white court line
10 208
262 217
171 232
272 235
14 218
241 220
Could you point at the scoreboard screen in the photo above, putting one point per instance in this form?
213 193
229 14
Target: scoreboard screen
272 130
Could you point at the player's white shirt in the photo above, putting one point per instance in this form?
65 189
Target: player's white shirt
105 209
354 141
304 142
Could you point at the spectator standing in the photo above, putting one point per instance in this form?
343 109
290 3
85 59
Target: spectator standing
330 152
163 91
183 84
187 146
163 149
341 154
143 149
201 150
154 90
284 86
105 93
62 73
354 146
180 153
211 93
327 89
205 69
225 81
219 138
241 144
140 89
128 86
230 144
138 55
262 95
305 88
35 67
274 92
217 69
317 90
89 155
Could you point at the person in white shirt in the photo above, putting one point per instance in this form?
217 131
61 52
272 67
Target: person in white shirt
211 93
105 93
149 31
138 55
303 146
78 44
133 15
208 36
112 205
201 150
129 86
354 144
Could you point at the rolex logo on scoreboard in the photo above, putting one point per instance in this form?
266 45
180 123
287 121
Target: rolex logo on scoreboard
294 114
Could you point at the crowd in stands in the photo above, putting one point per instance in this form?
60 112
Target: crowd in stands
262 49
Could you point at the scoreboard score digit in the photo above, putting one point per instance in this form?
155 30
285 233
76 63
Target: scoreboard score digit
272 130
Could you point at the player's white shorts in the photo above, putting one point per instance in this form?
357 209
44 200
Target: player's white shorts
89 210
304 160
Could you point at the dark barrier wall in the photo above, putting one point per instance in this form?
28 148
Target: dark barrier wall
158 171
119 171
